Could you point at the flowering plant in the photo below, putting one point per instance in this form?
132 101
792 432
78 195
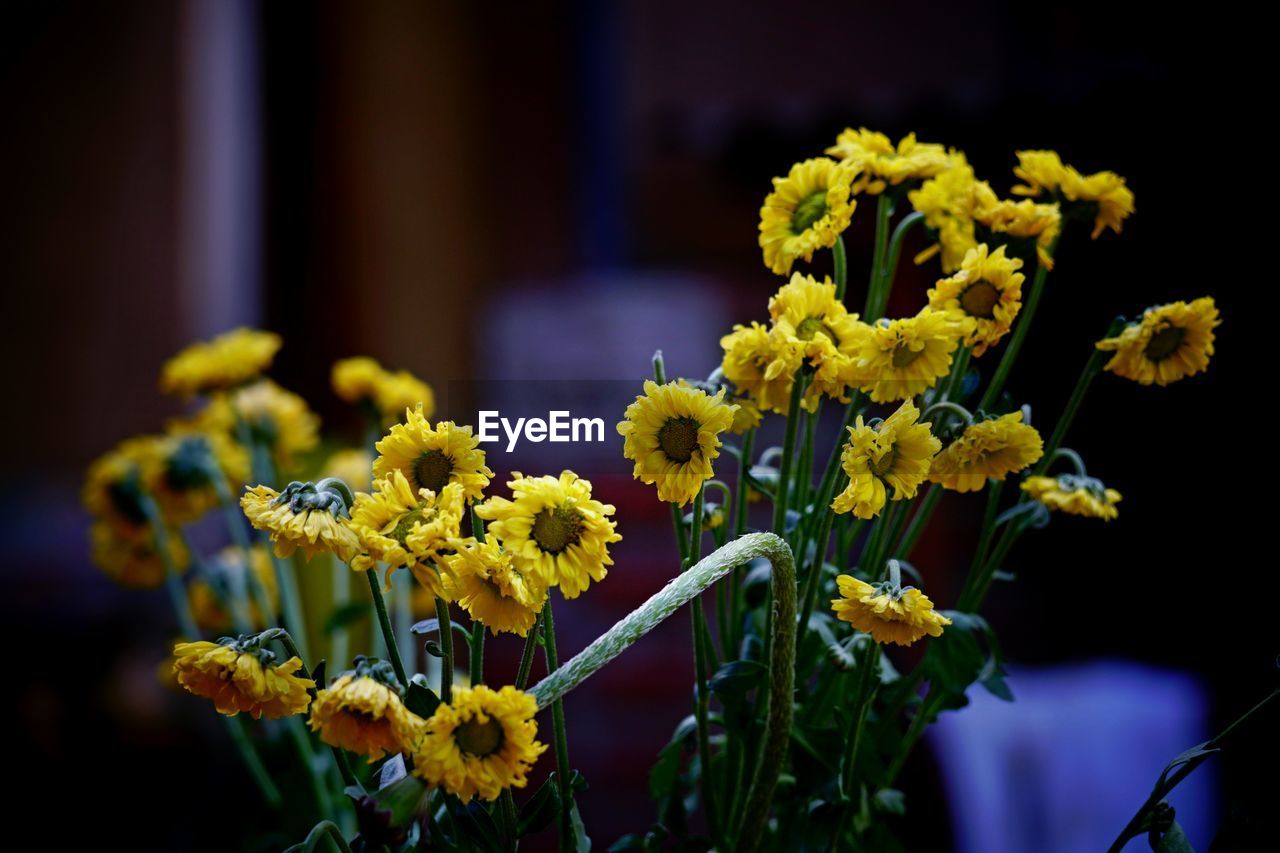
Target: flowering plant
803 713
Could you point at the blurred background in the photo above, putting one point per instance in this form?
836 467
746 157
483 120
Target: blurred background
492 193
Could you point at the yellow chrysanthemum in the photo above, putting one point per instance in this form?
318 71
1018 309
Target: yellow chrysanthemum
888 613
401 391
762 365
897 359
225 575
430 457
113 488
807 211
315 529
480 744
1014 222
554 531
672 433
485 582
129 557
266 414
988 290
242 679
1169 343
879 164
747 417
177 471
232 358
1075 495
362 713
364 381
896 453
355 380
988 449
406 527
353 467
808 317
1103 195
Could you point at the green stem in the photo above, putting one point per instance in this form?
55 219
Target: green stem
895 248
884 210
249 755
700 641
813 581
840 267
388 633
918 522
867 686
477 654
446 646
1022 327
240 536
559 733
1092 368
526 656
322 830
784 471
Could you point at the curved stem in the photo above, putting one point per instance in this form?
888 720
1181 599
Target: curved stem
948 406
895 247
1025 316
323 829
388 633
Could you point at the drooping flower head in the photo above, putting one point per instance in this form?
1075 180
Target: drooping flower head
130 557
1102 196
1074 494
432 457
363 381
484 581
888 612
554 531
807 210
762 365
224 578
894 454
239 675
880 164
897 359
231 359
114 489
312 517
988 290
808 317
987 449
672 433
263 413
1169 343
480 744
179 472
405 527
362 712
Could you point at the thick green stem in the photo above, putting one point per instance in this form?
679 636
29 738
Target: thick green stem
477 654
526 657
840 267
388 633
1020 330
788 446
884 210
446 647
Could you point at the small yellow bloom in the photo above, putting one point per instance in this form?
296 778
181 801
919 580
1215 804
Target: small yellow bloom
430 458
890 614
129 556
1104 195
114 490
403 527
178 472
482 743
879 164
266 414
362 712
232 358
896 453
672 433
363 381
1169 343
747 417
486 584
762 365
226 575
1075 495
554 531
808 317
807 210
988 290
241 678
304 519
353 467
988 449
897 359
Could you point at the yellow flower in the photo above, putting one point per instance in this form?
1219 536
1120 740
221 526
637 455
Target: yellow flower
889 613
228 360
1025 220
1102 195
430 458
747 416
1169 343
178 472
988 290
401 391
483 742
1074 494
987 449
897 359
363 381
880 165
486 584
303 516
761 365
129 557
353 467
239 676
225 575
362 712
113 488
554 531
403 527
672 432
896 453
808 318
806 211
266 414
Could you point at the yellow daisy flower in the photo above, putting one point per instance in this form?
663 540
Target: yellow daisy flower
225 575
896 453
762 365
406 527
353 467
363 381
807 210
431 458
129 557
747 417
554 531
988 290
988 449
113 487
482 743
897 359
808 317
232 358
889 613
879 164
238 675
1169 343
304 516
1074 494
177 471
1102 195
267 414
1015 222
947 203
355 380
401 391
672 432
486 584
362 712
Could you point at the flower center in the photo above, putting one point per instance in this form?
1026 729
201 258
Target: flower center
904 355
1165 343
811 326
884 467
479 738
678 438
127 500
432 470
555 529
405 525
810 209
979 300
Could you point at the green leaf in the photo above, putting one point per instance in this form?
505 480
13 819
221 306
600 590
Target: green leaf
426 626
666 770
542 808
419 698
737 677
581 842
477 826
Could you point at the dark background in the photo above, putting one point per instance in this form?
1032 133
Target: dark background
551 191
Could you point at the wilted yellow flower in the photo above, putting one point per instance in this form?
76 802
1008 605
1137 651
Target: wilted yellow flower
998 220
808 317
889 613
403 527
362 712
266 414
486 584
353 467
302 517
747 416
226 575
988 449
896 453
1169 343
554 531
480 744
179 470
430 457
1074 494
1103 194
672 432
113 489
129 556
363 381
807 210
228 360
239 676
897 359
879 164
988 290
762 365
